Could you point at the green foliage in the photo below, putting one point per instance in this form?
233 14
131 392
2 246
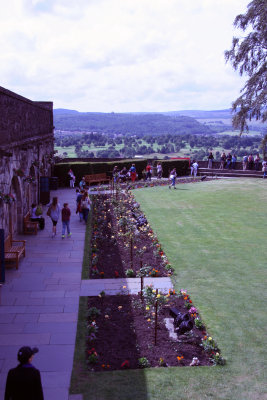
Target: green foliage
130 273
92 358
248 55
151 296
144 271
198 323
143 362
93 313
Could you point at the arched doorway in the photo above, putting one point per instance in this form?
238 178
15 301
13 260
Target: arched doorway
15 209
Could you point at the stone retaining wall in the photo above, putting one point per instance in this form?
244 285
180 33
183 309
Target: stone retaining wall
26 144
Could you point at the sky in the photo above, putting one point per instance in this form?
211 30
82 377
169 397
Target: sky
120 55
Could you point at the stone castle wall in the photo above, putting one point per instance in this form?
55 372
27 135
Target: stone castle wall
26 153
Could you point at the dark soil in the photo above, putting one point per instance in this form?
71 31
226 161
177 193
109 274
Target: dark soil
124 331
124 335
118 243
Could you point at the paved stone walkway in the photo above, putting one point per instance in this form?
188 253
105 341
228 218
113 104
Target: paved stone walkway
39 302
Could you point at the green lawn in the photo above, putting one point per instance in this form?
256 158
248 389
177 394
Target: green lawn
214 235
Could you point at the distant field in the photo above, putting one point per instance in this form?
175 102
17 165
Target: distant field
187 151
236 133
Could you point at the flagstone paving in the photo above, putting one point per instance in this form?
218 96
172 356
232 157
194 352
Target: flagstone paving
39 302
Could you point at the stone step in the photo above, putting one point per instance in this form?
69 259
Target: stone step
92 287
230 173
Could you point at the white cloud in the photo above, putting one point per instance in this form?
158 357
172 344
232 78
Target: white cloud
135 55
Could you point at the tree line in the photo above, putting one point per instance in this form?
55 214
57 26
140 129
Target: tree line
198 145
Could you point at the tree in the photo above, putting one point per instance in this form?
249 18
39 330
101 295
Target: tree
248 56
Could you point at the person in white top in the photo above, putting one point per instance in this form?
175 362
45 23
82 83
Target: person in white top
72 178
195 168
159 170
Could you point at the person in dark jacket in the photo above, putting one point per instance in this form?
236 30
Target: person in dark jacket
24 381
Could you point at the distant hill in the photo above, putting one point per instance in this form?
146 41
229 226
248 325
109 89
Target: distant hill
60 111
128 123
201 114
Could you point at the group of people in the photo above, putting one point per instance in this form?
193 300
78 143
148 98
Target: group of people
251 162
54 212
123 175
131 173
228 161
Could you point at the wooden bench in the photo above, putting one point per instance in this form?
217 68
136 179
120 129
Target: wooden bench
29 227
96 178
14 249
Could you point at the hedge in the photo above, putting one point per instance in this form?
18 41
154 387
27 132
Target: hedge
87 168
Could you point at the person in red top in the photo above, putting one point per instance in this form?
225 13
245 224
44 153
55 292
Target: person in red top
65 214
132 171
148 172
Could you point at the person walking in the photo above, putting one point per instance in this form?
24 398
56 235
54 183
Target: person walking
195 168
159 170
148 172
78 202
173 175
24 381
191 167
54 212
82 183
85 206
264 168
115 174
132 171
72 178
210 160
65 215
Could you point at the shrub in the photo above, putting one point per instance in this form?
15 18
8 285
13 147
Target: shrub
130 273
143 362
93 312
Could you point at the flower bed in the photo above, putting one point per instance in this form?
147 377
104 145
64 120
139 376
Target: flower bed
153 183
123 244
121 333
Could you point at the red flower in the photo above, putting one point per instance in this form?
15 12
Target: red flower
190 301
116 274
92 351
125 364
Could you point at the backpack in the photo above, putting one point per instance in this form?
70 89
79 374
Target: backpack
39 210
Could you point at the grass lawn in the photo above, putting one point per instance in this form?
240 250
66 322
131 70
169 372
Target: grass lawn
214 235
